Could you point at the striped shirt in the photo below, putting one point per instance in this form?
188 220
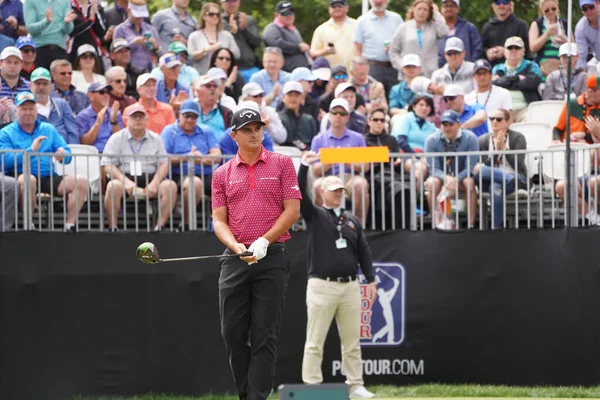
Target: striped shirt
21 86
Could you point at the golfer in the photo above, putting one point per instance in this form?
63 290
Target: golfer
336 247
255 200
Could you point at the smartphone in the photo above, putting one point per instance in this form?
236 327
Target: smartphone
330 44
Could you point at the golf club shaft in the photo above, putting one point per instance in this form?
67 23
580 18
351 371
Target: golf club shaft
246 254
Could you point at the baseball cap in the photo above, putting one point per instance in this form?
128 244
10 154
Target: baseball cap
119 44
567 48
332 183
177 47
189 106
332 2
40 73
252 89
303 74
343 87
205 80
98 86
169 60
320 62
139 10
24 41
454 90
24 97
292 86
338 69
247 104
135 108
245 116
450 116
420 85
85 48
586 3
592 82
411 59
216 73
454 43
481 64
323 74
10 51
455 1
284 6
142 79
340 103
514 41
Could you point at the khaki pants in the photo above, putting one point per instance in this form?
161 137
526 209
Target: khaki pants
324 301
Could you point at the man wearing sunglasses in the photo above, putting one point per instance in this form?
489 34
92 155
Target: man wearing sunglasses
120 55
212 113
503 25
456 70
116 77
586 32
62 74
274 129
187 74
339 75
27 47
472 117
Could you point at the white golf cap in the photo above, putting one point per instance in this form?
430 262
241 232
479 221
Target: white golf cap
420 85
292 86
169 60
454 43
457 2
454 90
139 10
343 87
252 89
567 48
332 182
323 74
86 48
247 104
143 78
10 51
216 73
204 80
411 59
339 103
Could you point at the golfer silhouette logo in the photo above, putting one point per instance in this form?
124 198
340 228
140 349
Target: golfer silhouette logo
383 322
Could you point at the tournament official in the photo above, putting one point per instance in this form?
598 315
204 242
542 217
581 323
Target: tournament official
336 247
255 200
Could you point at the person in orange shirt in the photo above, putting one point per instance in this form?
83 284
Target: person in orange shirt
583 106
159 114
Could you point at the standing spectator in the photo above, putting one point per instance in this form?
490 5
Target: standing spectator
301 127
157 114
11 62
89 28
120 55
49 23
116 78
462 29
252 92
283 34
369 88
137 177
491 97
556 82
253 213
53 110
9 198
401 95
372 38
98 122
271 78
86 68
472 117
62 73
174 24
28 52
223 58
308 105
419 35
456 70
586 32
140 35
499 28
168 89
243 28
12 23
115 15
209 38
339 76
334 39
213 114
546 35
337 246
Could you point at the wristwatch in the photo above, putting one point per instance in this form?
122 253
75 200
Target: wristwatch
114 122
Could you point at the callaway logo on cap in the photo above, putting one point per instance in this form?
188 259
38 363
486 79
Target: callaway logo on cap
244 117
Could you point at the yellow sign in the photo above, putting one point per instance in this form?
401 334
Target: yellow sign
348 155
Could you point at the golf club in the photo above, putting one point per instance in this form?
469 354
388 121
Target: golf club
148 253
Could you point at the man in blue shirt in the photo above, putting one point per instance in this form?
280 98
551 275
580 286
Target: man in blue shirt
168 89
62 73
272 78
472 117
453 172
98 122
186 138
13 23
33 136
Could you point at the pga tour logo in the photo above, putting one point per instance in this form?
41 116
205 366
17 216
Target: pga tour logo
382 323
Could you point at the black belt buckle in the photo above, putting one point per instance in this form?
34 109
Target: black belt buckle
344 279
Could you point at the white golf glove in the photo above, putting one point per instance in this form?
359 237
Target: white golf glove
259 248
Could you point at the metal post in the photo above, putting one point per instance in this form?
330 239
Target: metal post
571 200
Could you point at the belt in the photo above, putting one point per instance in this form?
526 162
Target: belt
380 63
344 279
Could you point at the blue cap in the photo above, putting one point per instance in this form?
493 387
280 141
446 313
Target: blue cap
303 74
25 41
320 62
586 3
98 86
189 106
24 97
450 116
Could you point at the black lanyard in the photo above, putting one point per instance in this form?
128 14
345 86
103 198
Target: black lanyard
487 99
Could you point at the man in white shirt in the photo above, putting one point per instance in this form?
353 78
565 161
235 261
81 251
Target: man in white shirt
491 97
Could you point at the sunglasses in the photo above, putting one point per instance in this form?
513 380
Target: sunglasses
549 9
222 58
588 7
502 2
258 95
452 53
287 13
119 81
511 48
337 5
212 14
382 120
65 73
340 76
449 98
102 92
87 56
342 113
189 116
28 50
498 119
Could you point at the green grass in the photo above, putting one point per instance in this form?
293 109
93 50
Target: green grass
424 391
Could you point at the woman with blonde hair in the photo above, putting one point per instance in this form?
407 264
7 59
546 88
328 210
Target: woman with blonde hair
546 34
209 38
419 35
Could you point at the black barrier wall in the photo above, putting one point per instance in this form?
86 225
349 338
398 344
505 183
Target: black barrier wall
80 315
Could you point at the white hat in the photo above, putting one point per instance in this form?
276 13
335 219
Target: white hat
204 80
10 51
86 48
454 43
247 104
139 10
340 103
343 87
252 89
216 73
332 182
455 1
411 59
454 90
323 74
292 86
420 85
564 48
169 60
142 79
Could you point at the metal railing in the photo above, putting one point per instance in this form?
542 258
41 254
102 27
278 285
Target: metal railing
386 195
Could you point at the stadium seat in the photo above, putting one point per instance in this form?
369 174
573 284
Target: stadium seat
553 164
546 111
294 152
86 163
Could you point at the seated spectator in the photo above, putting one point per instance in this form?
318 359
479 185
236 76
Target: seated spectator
29 134
500 175
546 35
98 122
472 117
89 27
452 173
301 128
11 63
120 55
9 198
86 68
339 75
338 135
169 90
220 77
423 85
283 34
137 177
62 72
308 105
271 78
456 70
400 94
252 92
462 29
186 138
521 77
320 68
368 87
213 114
116 78
491 97
28 52
223 58
209 38
556 81
187 74
581 109
357 121
158 114
55 111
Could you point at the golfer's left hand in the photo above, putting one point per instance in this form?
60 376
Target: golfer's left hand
259 249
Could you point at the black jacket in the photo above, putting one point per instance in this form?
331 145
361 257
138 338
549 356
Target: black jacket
516 141
301 129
